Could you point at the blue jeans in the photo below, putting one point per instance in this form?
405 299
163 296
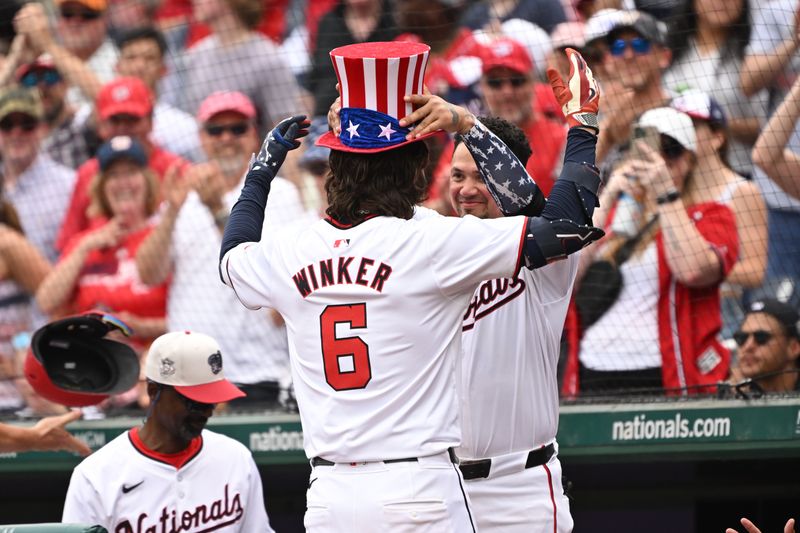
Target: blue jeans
784 244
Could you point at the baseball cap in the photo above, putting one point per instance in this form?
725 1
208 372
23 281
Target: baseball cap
192 363
642 23
702 106
20 100
44 61
508 53
568 34
124 96
782 312
220 101
601 23
673 123
121 147
94 5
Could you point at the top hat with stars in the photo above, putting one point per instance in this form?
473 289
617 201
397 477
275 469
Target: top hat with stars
373 79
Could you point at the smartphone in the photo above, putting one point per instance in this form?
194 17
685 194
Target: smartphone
650 136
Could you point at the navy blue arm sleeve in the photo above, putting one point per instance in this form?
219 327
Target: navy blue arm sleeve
247 215
574 194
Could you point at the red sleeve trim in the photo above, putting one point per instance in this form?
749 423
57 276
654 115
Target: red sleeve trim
519 251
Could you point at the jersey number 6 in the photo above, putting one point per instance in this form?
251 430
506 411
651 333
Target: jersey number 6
346 358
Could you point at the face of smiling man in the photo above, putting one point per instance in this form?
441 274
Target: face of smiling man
468 192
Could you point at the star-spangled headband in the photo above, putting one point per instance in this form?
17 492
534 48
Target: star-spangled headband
365 129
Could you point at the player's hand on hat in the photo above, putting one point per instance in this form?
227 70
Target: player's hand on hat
751 527
581 106
435 113
49 435
334 122
279 141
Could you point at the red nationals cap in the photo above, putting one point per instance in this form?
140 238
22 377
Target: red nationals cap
124 96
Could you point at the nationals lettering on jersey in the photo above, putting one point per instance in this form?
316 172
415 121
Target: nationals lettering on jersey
222 512
130 490
490 296
373 315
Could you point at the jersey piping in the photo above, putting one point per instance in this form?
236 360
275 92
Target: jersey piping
176 460
341 225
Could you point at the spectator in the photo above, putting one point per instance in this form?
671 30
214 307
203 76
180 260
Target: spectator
187 239
66 139
750 527
708 41
769 346
638 54
236 58
142 54
82 43
773 62
128 15
22 269
741 195
350 21
507 85
36 186
544 13
97 269
124 107
186 469
314 161
670 283
595 48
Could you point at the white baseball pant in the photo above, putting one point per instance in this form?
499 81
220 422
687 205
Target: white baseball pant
515 499
423 496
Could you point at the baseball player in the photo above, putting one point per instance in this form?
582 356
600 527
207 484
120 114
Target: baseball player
509 405
373 301
171 474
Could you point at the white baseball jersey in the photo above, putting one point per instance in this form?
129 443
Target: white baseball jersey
511 336
123 489
373 313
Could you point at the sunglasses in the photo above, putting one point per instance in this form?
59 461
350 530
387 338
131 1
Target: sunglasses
25 124
670 148
760 336
639 45
237 130
83 14
48 77
515 81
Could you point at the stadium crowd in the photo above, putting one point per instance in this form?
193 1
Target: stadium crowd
126 127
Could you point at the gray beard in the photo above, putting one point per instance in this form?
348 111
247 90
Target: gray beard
231 167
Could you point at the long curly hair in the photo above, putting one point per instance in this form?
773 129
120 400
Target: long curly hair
386 183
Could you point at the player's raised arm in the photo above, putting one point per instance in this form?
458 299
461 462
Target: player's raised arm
247 215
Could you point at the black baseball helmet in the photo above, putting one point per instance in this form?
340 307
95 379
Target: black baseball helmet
71 363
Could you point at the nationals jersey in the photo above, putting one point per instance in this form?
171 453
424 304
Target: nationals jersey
125 489
511 341
373 315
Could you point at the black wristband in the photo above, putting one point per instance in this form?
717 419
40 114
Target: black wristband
669 197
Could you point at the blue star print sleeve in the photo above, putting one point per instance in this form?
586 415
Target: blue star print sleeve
514 190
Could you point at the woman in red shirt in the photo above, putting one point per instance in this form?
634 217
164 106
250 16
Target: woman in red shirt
98 269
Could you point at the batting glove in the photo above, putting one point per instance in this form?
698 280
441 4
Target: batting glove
579 101
279 141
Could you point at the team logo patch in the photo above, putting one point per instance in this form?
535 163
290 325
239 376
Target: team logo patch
215 362
341 243
166 367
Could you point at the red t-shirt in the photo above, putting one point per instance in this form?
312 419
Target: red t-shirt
109 280
76 220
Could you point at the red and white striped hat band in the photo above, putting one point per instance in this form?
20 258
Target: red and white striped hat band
375 77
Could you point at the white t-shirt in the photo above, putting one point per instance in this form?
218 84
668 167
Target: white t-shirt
512 334
626 336
254 346
373 314
218 489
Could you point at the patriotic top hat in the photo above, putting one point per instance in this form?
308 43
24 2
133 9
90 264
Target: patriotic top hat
373 79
